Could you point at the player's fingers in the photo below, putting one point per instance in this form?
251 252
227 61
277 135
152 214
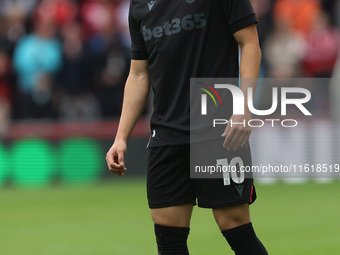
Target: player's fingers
232 142
227 130
229 136
120 174
115 168
118 171
239 141
115 165
121 161
112 165
245 141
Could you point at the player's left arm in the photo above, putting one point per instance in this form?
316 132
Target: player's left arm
237 135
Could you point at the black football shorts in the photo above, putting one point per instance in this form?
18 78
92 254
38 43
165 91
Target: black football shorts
169 182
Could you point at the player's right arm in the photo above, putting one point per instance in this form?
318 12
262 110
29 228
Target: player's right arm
135 96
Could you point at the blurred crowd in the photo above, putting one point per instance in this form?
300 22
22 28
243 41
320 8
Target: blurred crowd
68 59
62 59
299 38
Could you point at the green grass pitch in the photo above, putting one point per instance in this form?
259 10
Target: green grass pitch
113 218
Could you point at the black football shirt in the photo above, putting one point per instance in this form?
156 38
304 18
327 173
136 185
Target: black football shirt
183 39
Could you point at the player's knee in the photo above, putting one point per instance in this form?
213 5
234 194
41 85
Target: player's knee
174 221
161 218
177 216
225 223
231 217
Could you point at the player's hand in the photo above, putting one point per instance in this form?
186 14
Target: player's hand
237 135
115 158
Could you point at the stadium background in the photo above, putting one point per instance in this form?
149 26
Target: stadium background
63 65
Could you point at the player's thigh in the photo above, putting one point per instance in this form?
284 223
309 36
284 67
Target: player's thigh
170 190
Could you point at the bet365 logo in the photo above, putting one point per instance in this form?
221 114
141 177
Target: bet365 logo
239 99
174 26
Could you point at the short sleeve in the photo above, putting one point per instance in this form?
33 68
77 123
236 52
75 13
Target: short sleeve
138 50
238 14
